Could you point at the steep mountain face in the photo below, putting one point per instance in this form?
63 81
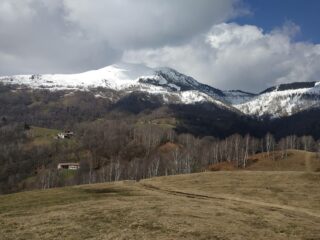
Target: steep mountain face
175 81
283 100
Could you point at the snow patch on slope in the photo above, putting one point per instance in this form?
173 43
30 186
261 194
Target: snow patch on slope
282 103
192 97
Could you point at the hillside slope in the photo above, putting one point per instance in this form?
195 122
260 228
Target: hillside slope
290 160
223 205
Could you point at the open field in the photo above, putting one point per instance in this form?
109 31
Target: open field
211 205
41 136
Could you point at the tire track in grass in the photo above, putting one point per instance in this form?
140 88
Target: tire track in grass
224 197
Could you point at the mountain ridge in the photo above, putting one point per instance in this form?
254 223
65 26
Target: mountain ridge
175 87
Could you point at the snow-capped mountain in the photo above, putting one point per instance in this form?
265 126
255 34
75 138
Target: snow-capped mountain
114 77
283 100
173 86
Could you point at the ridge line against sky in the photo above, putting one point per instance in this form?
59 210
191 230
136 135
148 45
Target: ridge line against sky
228 44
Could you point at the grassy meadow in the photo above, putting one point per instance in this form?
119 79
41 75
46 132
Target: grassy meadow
209 205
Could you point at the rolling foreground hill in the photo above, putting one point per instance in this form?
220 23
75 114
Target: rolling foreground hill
211 205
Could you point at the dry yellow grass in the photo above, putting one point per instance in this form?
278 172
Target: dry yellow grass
293 160
212 205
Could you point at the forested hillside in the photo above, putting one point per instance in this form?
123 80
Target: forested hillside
131 137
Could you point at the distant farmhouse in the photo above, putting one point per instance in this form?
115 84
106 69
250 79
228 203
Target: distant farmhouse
69 166
65 135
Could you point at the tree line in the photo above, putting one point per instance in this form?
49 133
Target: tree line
111 150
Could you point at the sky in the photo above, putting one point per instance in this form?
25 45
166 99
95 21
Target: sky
269 14
229 44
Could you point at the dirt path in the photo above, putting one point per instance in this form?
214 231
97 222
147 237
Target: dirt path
232 198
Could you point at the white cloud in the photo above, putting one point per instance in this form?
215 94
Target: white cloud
239 57
76 35
128 23
11 11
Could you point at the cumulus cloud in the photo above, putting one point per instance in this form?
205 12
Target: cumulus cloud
75 35
230 56
63 36
142 23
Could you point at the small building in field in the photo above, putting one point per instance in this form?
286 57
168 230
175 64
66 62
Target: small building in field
69 166
65 135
